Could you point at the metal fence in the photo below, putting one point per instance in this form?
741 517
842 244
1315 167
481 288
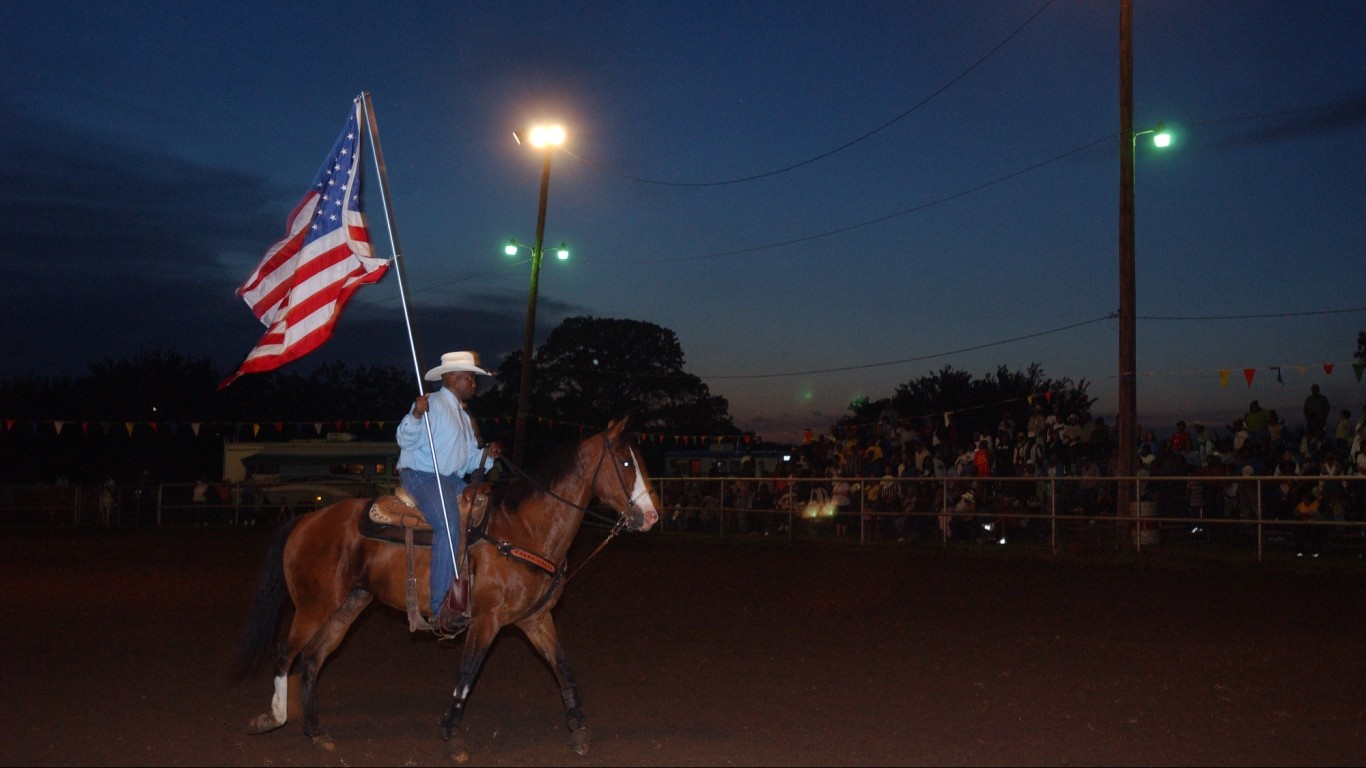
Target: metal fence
1244 514
1251 514
167 505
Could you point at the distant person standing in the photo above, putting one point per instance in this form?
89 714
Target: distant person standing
1256 421
1342 433
1316 410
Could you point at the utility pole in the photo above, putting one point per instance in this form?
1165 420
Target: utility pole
1126 421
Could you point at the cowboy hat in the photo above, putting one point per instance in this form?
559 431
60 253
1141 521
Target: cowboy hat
456 361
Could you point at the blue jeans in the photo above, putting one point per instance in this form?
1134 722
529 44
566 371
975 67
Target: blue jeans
423 487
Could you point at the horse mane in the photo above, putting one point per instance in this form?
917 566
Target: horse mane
561 463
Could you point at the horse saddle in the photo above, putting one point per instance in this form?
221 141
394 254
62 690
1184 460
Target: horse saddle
388 516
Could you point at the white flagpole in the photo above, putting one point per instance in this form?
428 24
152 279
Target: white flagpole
368 108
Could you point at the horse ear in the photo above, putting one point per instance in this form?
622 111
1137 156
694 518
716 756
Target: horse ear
615 427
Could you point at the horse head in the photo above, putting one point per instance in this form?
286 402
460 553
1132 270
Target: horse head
627 486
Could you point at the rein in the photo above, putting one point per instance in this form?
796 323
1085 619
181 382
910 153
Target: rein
544 565
617 524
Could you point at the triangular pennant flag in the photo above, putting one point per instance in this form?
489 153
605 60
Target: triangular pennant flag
1300 369
337 425
1048 396
1223 378
1248 373
9 423
85 426
279 426
255 430
59 425
128 425
1357 368
194 427
1328 368
1277 369
153 425
317 427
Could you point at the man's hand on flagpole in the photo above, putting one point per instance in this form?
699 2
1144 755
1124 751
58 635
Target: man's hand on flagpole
420 406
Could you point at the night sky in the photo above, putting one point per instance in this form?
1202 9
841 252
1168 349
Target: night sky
823 200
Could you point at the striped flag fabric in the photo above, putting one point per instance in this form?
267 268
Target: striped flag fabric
299 288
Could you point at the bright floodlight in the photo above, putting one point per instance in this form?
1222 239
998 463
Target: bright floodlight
511 248
546 136
1161 138
562 253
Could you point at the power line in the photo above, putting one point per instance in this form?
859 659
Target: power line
879 129
998 343
1259 316
882 364
879 219
896 214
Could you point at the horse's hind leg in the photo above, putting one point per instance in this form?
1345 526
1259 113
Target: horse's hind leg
311 658
540 630
279 702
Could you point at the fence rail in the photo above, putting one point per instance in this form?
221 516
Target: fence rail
1059 512
1241 513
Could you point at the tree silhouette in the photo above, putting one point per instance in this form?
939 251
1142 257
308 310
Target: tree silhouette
591 370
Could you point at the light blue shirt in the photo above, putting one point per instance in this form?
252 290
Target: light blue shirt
457 447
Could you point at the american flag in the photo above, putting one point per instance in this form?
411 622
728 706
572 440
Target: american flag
299 288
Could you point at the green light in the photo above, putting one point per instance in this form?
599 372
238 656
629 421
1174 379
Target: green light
511 248
562 253
1161 138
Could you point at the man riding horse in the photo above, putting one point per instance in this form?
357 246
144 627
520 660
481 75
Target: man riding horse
443 451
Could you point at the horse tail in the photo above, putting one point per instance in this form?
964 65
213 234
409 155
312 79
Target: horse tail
258 637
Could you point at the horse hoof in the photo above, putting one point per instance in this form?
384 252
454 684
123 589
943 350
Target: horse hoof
578 741
324 742
262 724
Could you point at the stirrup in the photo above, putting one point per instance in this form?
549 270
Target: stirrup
449 625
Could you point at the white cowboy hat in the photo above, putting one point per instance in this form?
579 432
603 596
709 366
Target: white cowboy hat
456 361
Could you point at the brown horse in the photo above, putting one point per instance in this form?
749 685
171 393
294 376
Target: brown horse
330 573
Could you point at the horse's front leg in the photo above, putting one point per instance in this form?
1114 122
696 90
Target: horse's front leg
540 630
478 638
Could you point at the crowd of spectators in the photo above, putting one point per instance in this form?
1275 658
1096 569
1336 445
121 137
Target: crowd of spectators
1257 467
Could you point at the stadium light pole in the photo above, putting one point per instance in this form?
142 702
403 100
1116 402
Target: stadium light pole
545 138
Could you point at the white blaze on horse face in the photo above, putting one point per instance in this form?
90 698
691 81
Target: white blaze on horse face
640 495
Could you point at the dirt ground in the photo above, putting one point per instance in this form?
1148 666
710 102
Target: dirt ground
693 651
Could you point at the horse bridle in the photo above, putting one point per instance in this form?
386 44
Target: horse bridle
559 575
631 501
622 522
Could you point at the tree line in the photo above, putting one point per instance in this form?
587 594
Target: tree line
588 371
